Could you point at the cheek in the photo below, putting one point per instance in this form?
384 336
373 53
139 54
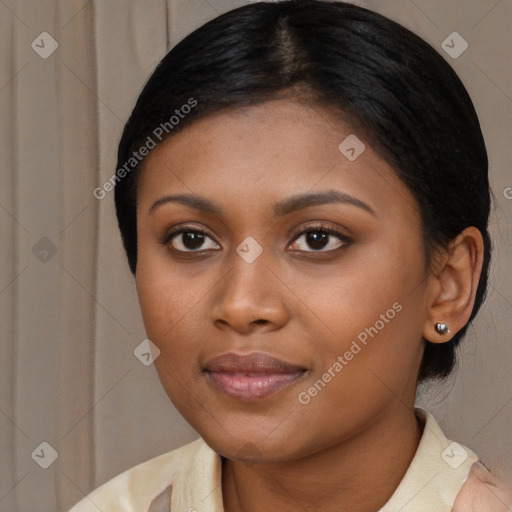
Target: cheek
350 297
164 295
167 313
155 303
172 307
371 312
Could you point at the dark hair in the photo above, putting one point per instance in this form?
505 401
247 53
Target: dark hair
378 76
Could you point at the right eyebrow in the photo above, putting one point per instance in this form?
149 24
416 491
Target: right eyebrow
199 203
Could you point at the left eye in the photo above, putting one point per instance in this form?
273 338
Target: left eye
319 240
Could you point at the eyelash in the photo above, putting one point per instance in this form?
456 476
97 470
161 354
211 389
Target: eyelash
319 227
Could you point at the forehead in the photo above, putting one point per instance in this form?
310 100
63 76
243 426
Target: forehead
266 152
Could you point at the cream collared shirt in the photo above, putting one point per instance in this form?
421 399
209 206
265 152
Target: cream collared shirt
442 477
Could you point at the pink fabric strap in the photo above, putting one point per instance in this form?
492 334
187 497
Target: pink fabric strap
483 491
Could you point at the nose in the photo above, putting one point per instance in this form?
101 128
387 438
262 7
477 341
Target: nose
248 298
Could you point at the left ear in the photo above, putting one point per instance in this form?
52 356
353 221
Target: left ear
453 285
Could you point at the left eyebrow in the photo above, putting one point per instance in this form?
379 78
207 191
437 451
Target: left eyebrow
281 208
301 201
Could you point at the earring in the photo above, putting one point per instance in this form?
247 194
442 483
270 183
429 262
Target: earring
442 328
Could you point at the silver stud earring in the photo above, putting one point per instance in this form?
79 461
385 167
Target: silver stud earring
442 328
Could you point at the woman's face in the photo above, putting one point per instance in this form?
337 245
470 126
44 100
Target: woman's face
260 239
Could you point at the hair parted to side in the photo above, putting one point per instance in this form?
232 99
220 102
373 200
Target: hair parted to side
373 73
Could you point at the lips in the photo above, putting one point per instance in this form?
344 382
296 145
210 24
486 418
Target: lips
252 376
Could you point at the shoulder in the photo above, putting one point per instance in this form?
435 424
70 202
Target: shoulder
133 490
483 491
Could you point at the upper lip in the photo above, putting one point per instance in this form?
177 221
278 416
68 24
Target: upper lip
256 362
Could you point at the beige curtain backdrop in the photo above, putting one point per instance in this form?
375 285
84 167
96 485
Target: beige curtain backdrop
76 406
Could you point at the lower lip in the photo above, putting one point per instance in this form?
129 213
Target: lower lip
249 388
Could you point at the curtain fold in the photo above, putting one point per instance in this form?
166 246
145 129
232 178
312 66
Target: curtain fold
77 106
9 269
35 147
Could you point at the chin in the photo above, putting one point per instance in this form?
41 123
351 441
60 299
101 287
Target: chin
251 448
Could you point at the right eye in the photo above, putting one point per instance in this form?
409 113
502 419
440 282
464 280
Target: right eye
190 240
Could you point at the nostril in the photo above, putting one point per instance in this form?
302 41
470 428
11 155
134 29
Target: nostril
260 321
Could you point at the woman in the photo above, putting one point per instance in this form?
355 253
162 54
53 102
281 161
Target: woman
303 197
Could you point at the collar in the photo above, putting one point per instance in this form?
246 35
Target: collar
433 480
436 473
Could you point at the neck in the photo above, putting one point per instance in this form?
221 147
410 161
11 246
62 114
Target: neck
358 475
